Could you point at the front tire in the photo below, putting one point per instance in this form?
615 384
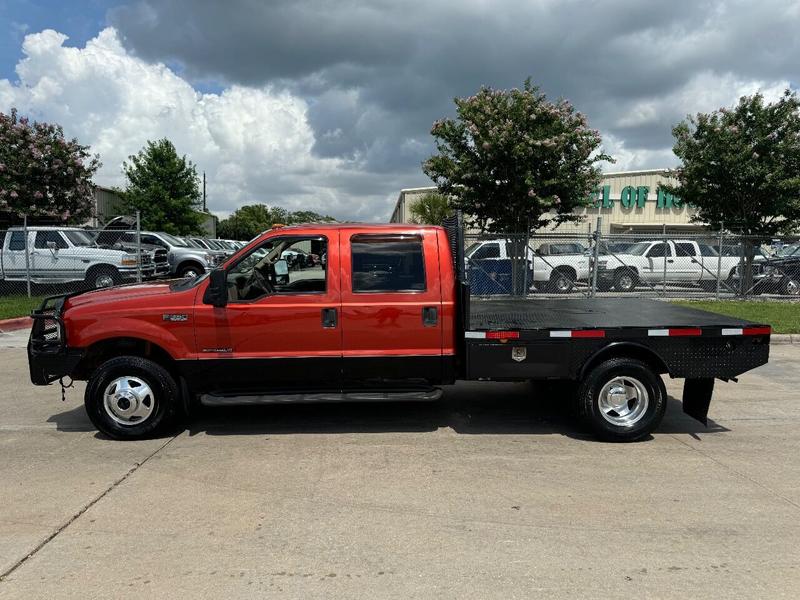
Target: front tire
102 277
790 286
625 280
622 400
131 398
190 271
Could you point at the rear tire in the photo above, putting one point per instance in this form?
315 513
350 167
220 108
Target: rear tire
560 282
131 398
622 400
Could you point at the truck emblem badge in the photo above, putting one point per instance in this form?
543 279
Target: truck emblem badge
519 353
174 317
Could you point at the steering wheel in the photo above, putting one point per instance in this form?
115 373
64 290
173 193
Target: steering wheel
257 280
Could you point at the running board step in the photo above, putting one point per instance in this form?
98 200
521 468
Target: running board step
376 396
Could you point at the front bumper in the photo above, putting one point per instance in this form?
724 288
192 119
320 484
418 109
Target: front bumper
49 358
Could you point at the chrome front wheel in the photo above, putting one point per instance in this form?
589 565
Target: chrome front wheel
129 400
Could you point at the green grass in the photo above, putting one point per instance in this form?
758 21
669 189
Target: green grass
18 306
783 316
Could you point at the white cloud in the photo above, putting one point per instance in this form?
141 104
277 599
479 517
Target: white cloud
254 143
704 92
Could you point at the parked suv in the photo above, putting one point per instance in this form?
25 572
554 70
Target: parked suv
68 254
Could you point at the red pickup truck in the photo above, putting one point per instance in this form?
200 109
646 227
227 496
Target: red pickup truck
371 312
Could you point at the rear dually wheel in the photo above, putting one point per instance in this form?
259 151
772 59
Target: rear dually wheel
622 400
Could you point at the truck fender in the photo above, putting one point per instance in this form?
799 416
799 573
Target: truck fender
130 328
618 349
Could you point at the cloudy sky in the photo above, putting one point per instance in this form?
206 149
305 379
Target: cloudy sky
328 105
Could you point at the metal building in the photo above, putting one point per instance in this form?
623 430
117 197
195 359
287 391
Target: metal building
628 201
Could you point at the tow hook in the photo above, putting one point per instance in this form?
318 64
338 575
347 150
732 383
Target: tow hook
64 386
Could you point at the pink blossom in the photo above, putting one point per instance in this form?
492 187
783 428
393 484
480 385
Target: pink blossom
38 195
13 194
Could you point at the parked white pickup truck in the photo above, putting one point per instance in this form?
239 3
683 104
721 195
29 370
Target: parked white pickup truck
67 254
552 265
674 261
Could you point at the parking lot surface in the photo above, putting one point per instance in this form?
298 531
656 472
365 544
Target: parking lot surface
490 493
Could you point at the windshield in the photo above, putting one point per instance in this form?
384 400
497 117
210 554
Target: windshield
789 250
79 238
172 240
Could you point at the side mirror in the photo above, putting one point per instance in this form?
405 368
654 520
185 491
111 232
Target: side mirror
281 267
217 290
53 247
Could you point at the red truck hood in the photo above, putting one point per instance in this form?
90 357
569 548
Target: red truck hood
125 292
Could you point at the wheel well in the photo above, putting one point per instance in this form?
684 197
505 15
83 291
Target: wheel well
568 271
190 262
101 351
626 269
625 350
101 267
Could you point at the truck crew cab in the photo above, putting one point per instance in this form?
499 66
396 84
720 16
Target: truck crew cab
387 315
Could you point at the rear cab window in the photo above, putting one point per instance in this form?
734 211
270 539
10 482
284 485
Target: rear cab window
387 263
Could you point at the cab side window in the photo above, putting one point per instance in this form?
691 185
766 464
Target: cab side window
659 251
45 237
388 263
17 241
283 265
486 251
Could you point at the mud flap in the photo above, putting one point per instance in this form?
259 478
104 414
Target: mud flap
697 398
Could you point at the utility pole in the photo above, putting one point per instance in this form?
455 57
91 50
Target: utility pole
204 192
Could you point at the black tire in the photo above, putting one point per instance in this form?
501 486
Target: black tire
561 282
790 286
190 270
589 405
102 277
625 280
165 397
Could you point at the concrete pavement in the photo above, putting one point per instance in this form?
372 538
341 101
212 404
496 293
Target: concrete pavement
490 493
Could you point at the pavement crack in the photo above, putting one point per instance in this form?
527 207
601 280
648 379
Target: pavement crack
83 510
739 474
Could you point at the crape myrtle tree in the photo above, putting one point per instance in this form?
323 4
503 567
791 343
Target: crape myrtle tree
42 174
740 169
164 187
431 209
249 221
513 162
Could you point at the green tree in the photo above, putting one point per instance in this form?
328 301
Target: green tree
43 174
249 221
741 167
164 187
512 159
431 209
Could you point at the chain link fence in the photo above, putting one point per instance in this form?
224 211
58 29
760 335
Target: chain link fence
41 260
588 263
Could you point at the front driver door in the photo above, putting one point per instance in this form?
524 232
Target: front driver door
286 339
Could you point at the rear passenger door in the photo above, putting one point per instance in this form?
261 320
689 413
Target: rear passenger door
391 309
